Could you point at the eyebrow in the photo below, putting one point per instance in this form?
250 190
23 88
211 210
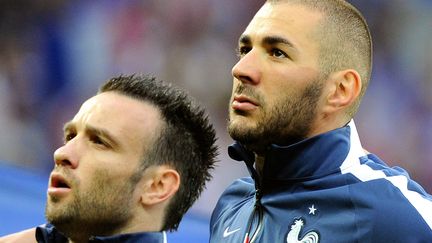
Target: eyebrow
70 126
268 40
245 39
274 40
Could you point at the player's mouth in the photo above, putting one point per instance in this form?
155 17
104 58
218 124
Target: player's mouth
244 103
58 185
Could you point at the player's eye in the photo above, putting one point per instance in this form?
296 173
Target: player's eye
242 50
68 136
275 52
97 140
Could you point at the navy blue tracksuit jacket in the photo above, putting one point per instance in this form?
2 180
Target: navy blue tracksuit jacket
323 189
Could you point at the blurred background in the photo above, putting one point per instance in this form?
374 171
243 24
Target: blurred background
55 53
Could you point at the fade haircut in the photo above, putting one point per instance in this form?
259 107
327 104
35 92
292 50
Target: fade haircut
344 40
186 141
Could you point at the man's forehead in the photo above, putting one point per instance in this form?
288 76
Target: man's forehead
116 102
119 113
295 25
284 16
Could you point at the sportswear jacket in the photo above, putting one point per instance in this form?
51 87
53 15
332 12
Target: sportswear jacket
322 189
48 233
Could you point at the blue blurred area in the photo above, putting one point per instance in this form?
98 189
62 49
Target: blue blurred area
22 199
22 204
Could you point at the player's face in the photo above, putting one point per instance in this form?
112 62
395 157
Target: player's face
277 84
93 185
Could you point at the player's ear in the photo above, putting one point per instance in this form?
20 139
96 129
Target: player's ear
344 89
160 184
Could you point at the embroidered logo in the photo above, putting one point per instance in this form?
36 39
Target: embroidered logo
227 233
294 234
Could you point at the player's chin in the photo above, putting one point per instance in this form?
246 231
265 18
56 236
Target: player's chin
239 126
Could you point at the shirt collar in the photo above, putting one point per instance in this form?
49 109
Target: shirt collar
148 237
48 233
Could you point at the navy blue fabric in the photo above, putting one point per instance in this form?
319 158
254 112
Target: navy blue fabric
48 234
306 195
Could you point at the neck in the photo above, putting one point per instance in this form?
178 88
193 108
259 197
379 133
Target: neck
326 123
79 238
326 127
73 232
259 163
82 233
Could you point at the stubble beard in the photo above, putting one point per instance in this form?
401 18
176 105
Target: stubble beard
288 122
101 212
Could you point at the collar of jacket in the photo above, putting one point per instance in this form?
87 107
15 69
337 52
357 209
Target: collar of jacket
48 233
150 237
308 159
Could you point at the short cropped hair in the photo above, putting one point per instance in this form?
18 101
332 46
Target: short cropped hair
344 40
186 141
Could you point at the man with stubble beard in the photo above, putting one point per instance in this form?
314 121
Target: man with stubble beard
303 67
135 158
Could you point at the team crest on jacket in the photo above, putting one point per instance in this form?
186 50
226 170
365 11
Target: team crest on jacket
295 231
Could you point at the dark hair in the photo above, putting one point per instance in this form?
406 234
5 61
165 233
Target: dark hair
186 142
344 39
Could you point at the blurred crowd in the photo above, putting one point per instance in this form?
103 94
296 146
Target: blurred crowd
55 53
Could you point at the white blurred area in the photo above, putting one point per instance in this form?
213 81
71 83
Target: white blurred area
55 53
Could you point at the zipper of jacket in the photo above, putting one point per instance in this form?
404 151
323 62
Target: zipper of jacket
240 153
257 214
258 211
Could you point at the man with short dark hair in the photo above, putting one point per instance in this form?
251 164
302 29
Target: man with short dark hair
304 66
135 158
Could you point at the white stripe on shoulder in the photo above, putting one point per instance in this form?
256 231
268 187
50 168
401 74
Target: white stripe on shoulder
365 173
356 150
422 205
